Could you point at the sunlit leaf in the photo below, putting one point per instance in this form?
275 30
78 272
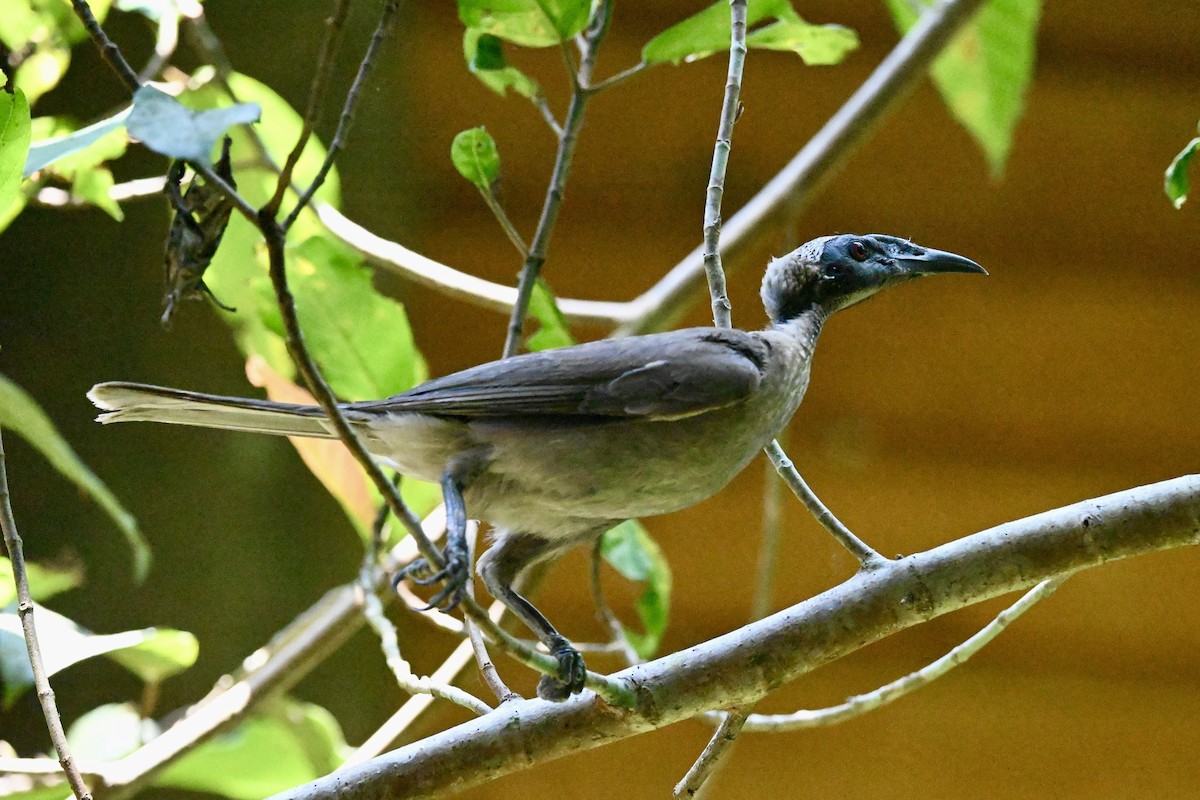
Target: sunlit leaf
633 553
64 643
167 652
106 733
817 45
985 72
484 54
530 23
14 143
44 581
553 330
42 33
93 186
21 413
166 126
102 141
708 31
474 155
284 744
1175 182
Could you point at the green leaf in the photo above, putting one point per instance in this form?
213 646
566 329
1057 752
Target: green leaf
1175 182
485 59
553 331
102 141
21 413
14 143
632 552
166 126
817 45
474 155
286 743
708 32
166 653
361 338
63 643
530 23
984 73
44 581
43 33
93 186
106 733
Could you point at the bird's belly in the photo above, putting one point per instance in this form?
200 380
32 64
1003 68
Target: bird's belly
575 474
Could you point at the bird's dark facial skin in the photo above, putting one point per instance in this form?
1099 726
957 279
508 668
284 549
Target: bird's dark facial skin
834 272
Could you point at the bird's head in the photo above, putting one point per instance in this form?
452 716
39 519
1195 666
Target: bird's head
833 272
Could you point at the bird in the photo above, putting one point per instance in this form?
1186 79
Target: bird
553 448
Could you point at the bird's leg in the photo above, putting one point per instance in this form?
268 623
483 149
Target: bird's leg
499 567
455 555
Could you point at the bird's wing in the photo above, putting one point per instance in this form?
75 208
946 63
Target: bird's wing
660 376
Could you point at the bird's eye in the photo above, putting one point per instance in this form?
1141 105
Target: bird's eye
858 251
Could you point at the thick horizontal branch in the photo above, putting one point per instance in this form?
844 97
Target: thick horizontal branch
742 666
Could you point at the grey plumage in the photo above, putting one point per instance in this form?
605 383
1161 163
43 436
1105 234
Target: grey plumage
553 448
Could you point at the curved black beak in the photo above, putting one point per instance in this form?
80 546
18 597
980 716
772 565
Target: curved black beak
931 262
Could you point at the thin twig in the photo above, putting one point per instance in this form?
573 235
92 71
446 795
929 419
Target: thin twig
723 739
558 179
716 177
768 551
487 669
401 669
618 79
867 557
382 30
323 394
108 50
137 189
543 106
326 59
605 614
41 681
713 755
510 230
864 703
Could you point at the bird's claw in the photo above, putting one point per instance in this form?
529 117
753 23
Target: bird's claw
454 574
572 673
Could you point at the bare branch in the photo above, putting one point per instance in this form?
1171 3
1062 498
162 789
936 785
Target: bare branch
326 58
718 747
742 666
382 30
108 50
41 680
864 703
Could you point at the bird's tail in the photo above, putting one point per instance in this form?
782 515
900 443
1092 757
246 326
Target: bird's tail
139 402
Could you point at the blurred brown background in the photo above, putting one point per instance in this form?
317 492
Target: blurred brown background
934 411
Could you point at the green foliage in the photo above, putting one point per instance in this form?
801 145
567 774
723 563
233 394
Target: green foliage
285 743
42 31
1175 181
151 653
107 733
485 58
166 126
473 153
530 23
15 134
985 72
21 413
44 581
633 553
553 330
708 32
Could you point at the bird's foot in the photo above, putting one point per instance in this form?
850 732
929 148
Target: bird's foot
572 673
453 575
